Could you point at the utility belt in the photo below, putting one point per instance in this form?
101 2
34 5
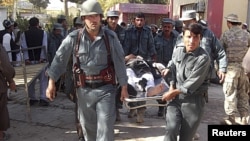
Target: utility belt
106 76
94 85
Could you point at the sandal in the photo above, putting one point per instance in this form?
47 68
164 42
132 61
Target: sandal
5 137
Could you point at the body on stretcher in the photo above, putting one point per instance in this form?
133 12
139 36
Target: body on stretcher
142 100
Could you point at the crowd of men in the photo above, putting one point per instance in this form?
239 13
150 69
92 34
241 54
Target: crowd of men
93 44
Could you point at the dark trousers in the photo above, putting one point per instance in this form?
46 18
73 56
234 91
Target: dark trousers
4 114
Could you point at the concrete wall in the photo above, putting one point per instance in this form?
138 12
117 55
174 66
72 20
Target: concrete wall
153 12
212 14
149 18
177 8
3 13
239 7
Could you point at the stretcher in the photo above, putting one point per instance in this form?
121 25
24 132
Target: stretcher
146 100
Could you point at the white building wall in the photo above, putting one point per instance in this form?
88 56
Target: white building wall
3 13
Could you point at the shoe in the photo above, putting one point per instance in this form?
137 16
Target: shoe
118 117
161 112
132 113
81 139
43 103
33 102
230 120
244 119
196 136
140 115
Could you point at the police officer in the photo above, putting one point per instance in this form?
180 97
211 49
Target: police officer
112 24
165 41
186 93
164 44
210 43
178 26
54 40
236 85
139 40
61 19
96 100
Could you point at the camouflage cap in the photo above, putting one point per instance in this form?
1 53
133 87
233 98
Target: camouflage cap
113 14
188 15
232 18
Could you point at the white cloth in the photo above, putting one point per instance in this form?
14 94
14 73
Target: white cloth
6 44
133 79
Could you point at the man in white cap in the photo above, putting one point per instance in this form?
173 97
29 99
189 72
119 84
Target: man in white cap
210 43
94 49
236 85
164 45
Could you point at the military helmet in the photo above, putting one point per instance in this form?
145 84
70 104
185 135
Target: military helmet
91 7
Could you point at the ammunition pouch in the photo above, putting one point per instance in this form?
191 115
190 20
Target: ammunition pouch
108 75
79 77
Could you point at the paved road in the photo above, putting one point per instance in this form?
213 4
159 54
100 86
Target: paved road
56 122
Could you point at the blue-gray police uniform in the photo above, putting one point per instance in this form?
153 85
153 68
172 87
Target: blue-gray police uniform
164 47
139 42
96 107
120 32
214 48
190 76
54 41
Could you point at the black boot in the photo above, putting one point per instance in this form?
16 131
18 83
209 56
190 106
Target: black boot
161 111
118 116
